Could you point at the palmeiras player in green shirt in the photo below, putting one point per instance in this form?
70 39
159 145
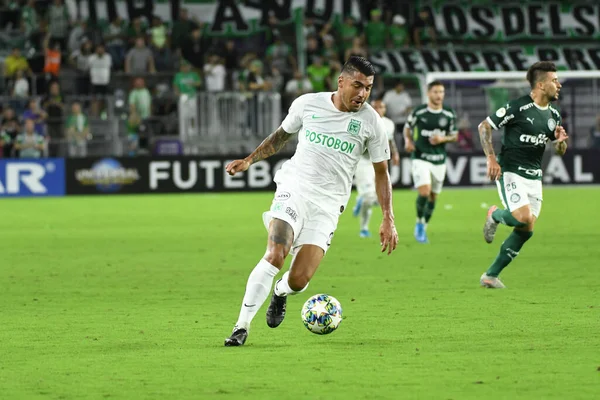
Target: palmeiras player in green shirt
428 128
529 122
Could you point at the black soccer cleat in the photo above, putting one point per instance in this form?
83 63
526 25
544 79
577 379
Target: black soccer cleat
276 310
237 338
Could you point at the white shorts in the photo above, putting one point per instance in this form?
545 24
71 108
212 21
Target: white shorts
426 173
310 223
516 192
364 179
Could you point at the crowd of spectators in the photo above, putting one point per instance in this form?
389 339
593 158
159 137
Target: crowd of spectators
59 69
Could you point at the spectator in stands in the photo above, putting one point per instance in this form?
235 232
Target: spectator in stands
135 31
230 56
58 23
77 36
309 29
596 133
140 100
298 86
215 74
114 37
313 49
29 18
13 63
186 81
332 80
330 52
4 141
256 79
399 104
280 56
21 86
78 132
181 29
139 60
133 138
30 144
100 66
376 32
160 45
194 48
54 106
276 80
347 31
38 117
10 128
398 33
80 59
424 28
52 60
318 73
358 49
242 78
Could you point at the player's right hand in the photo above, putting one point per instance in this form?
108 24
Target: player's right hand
493 169
409 146
388 236
237 166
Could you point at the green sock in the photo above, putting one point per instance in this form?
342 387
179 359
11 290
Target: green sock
429 207
508 251
506 218
421 200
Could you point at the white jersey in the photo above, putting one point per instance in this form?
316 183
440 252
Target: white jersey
390 129
330 145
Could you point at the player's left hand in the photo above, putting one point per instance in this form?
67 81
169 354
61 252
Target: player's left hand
388 236
436 140
396 159
560 134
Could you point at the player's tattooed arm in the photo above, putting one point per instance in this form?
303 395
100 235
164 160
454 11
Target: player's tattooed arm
560 147
485 136
271 145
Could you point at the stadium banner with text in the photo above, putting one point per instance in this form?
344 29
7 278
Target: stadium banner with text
32 177
222 17
108 175
517 21
198 174
492 58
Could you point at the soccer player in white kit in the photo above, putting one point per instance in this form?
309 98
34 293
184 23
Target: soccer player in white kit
364 179
313 187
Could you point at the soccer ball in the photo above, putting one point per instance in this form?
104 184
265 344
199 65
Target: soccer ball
322 314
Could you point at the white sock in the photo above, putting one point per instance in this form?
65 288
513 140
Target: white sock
282 287
257 290
365 215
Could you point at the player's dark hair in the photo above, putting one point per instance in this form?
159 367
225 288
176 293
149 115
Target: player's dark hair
358 64
434 83
537 71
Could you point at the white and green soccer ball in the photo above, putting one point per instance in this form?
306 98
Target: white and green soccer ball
322 314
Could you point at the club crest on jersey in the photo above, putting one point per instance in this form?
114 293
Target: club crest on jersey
443 121
551 124
354 127
501 112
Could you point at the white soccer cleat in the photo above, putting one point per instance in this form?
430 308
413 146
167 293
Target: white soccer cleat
489 229
491 282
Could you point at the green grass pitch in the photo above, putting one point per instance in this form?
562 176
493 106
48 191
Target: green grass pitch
131 298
